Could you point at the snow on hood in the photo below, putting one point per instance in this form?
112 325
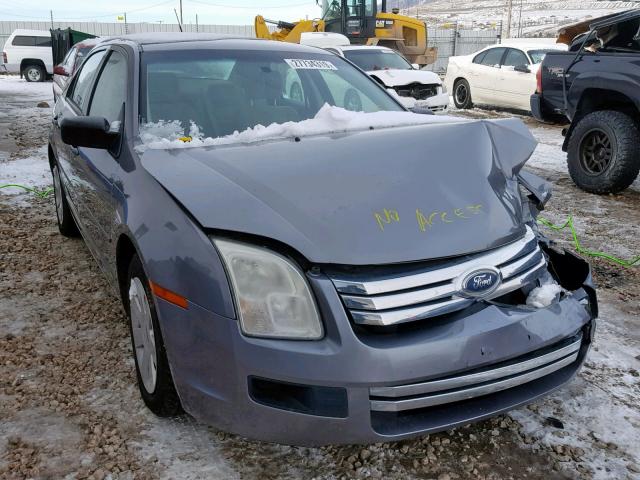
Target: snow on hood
394 78
329 119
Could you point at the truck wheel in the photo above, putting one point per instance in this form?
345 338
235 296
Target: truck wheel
34 73
603 152
462 94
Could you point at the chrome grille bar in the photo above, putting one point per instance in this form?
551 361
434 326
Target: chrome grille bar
433 291
475 378
505 378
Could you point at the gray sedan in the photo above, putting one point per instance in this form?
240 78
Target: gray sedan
299 272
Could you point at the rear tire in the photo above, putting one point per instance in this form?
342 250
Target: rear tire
152 366
34 73
603 154
66 223
462 94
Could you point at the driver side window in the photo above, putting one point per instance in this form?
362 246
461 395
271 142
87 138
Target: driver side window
80 91
111 88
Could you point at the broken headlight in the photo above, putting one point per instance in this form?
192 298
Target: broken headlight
272 296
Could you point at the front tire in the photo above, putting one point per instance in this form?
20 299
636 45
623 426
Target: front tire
152 366
66 223
604 152
34 73
462 94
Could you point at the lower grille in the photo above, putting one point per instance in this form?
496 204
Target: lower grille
418 91
476 384
432 291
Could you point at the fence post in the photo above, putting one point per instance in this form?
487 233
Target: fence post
455 40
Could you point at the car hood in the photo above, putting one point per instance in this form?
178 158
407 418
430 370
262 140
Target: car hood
394 78
362 198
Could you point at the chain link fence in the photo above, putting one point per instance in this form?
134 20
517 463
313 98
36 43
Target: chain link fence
457 41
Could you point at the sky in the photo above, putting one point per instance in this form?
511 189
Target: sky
222 12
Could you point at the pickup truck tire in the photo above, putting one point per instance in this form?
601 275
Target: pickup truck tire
462 94
604 152
34 73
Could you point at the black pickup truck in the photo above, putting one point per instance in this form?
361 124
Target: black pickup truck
596 86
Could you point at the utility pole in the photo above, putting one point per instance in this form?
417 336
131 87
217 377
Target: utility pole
126 27
509 9
196 23
181 21
520 21
51 15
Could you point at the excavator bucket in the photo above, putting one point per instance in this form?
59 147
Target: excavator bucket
286 32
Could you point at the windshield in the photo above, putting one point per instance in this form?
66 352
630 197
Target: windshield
369 59
538 55
223 91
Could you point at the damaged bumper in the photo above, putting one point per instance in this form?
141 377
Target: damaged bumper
364 383
438 103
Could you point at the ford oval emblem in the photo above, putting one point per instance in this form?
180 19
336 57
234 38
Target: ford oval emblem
480 282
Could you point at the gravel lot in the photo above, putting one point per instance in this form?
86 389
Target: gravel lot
69 407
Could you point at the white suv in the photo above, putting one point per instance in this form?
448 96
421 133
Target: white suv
28 52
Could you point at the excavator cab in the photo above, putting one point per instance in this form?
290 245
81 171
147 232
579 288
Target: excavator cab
354 18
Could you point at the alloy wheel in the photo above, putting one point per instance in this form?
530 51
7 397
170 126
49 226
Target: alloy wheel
461 93
143 335
596 152
34 74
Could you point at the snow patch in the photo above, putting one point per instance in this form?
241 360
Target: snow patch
329 119
14 85
32 172
547 293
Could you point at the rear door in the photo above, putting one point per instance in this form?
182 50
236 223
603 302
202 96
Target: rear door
72 168
485 75
515 87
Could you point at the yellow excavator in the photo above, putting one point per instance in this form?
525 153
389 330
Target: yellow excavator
360 21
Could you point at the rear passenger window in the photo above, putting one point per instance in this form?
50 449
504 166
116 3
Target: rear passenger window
515 58
31 41
479 57
81 89
493 57
110 91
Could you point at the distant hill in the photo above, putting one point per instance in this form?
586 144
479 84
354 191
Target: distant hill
530 18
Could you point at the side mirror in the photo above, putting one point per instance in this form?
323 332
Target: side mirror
415 66
91 132
522 68
60 70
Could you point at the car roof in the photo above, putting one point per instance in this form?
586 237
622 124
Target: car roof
615 18
529 45
365 47
36 33
183 41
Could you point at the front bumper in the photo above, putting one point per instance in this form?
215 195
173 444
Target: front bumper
438 103
325 392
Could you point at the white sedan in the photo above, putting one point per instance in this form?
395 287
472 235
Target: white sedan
414 87
501 75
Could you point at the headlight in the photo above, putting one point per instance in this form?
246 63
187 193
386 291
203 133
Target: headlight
444 88
272 295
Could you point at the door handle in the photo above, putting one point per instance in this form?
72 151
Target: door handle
75 151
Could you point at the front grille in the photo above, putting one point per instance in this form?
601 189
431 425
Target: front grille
418 91
475 384
434 290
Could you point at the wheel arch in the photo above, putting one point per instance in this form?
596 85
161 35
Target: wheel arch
25 62
125 251
597 99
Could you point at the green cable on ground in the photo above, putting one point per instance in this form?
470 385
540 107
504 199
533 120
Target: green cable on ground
40 193
580 249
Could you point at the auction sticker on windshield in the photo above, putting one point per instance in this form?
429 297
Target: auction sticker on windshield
301 64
